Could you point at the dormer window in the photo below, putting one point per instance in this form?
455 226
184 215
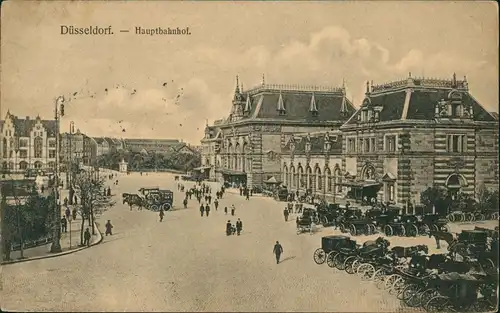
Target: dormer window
312 107
281 105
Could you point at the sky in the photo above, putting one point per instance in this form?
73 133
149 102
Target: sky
137 86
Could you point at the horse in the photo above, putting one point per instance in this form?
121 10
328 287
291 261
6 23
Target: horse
125 197
134 199
443 235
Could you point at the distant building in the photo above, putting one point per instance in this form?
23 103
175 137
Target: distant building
158 145
248 143
78 148
28 143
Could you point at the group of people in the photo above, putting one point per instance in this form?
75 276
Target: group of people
232 229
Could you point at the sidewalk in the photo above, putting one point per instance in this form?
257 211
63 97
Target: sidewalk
41 252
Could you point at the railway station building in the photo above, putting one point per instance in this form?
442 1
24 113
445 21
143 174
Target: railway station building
246 147
406 136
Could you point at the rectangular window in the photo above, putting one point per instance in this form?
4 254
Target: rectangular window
390 143
23 154
372 145
52 143
351 145
367 145
456 143
391 192
52 154
23 143
360 145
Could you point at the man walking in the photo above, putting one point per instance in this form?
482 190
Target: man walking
239 226
225 210
109 228
286 213
162 214
185 202
86 237
277 250
64 224
232 210
202 209
216 204
207 209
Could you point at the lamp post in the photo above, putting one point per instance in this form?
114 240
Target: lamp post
56 238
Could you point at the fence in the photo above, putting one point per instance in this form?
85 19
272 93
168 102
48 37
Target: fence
32 244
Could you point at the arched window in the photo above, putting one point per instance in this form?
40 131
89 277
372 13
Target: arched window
338 179
368 172
319 179
38 146
309 178
52 165
23 165
292 176
328 176
285 174
301 178
38 165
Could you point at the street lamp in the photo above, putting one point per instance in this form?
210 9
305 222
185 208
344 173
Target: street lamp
56 238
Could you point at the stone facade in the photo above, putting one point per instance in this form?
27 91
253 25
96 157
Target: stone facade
28 143
416 133
246 146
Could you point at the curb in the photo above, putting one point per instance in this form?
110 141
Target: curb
98 241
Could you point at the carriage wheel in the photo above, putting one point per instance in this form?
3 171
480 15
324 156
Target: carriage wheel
389 280
450 217
437 304
338 260
426 295
316 220
365 271
319 256
388 230
469 217
487 264
462 217
402 231
342 228
445 228
154 207
329 259
373 228
409 293
434 227
166 206
424 230
412 230
481 217
348 264
352 229
379 278
397 286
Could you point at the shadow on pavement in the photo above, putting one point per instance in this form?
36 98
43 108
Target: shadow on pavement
110 239
288 258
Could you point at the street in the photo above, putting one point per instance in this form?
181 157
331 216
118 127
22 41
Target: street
187 263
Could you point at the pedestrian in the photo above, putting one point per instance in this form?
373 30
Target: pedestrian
207 209
64 225
74 213
185 202
239 226
247 194
109 191
68 213
162 214
209 199
232 210
225 210
277 250
86 237
286 213
228 228
76 199
109 227
65 201
202 209
216 204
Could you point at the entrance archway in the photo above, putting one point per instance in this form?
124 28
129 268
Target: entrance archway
454 183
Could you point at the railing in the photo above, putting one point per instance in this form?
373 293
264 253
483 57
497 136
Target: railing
293 87
32 244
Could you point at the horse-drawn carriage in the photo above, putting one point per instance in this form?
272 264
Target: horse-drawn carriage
306 220
152 199
330 246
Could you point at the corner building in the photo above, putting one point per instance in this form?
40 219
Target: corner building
411 134
246 147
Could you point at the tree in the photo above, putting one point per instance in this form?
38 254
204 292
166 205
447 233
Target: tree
487 200
437 197
93 198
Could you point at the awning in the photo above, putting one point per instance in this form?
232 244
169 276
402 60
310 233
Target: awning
361 184
201 168
231 172
272 180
